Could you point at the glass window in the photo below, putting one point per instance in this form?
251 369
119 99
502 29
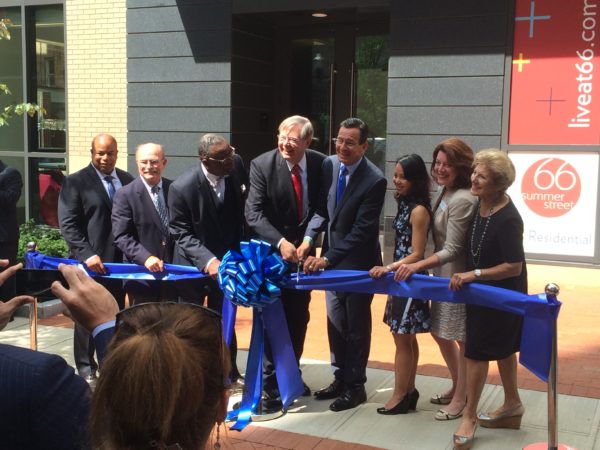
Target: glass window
45 180
11 73
33 67
48 76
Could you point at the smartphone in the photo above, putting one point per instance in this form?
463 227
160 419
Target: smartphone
37 283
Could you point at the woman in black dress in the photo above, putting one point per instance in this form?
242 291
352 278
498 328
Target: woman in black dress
407 316
495 256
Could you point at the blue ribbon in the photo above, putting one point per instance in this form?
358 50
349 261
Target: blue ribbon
540 313
253 278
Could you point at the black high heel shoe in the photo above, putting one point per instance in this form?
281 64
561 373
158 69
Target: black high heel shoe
414 398
401 407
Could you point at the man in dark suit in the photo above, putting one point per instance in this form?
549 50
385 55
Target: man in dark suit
206 206
140 222
11 185
44 404
353 196
84 212
284 188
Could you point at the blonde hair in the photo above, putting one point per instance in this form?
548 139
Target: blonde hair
306 128
500 166
163 379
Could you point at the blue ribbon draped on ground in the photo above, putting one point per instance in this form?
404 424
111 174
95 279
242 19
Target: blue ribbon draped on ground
255 277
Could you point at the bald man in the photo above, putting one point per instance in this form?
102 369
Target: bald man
84 214
140 220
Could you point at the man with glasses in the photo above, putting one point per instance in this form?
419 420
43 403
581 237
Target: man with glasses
354 193
284 186
84 214
206 206
140 220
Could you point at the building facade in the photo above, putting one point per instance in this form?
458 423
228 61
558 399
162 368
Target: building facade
500 74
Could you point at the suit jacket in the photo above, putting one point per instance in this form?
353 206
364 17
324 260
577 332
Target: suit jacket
44 404
136 224
11 185
271 210
84 213
352 238
200 228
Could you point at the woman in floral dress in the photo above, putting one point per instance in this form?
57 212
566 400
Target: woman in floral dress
407 316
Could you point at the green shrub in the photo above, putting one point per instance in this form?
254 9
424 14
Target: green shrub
49 240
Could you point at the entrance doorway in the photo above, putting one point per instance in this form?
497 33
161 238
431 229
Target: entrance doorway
325 69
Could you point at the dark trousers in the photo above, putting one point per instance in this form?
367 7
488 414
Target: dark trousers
297 315
206 291
146 291
349 331
8 250
83 343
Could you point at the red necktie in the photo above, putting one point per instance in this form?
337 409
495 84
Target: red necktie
297 182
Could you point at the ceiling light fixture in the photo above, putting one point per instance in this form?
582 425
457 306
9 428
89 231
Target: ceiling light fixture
319 14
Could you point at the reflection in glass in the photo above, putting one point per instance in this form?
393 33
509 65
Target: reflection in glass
45 180
11 74
311 85
50 77
17 163
371 59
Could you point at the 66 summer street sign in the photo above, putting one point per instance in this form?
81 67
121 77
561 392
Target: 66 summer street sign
556 196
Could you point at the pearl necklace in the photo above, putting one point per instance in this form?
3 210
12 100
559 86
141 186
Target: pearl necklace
476 253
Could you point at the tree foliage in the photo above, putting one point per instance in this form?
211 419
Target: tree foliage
48 240
6 112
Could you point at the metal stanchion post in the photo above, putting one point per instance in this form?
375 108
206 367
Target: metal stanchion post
551 291
33 310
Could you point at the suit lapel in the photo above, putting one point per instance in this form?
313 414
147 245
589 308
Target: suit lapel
98 186
147 203
207 193
284 182
350 187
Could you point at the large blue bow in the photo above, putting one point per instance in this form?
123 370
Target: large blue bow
254 278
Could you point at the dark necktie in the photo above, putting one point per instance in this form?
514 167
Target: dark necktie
160 208
111 187
297 182
341 185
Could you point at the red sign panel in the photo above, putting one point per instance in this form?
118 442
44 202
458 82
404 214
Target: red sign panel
554 64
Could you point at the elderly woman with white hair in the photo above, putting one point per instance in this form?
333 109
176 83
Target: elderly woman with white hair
495 256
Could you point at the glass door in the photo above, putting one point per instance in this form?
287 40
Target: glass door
339 76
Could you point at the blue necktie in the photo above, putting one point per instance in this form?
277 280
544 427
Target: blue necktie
111 187
341 185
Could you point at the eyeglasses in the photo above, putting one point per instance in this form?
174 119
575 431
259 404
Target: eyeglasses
349 142
150 162
226 159
290 140
442 164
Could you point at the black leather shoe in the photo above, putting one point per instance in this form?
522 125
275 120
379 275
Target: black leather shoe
270 405
351 398
306 392
401 407
414 398
332 391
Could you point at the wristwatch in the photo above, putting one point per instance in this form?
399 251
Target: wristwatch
477 273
